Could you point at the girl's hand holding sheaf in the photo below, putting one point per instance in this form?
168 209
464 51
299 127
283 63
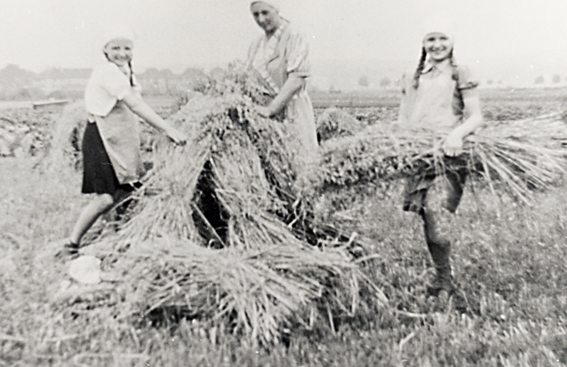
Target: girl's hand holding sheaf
453 144
178 137
263 111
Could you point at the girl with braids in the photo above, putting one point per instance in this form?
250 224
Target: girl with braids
111 142
441 97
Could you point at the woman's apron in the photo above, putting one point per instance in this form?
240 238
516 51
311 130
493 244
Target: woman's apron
299 116
120 133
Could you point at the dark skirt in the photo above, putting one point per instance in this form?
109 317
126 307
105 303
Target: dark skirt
98 174
446 189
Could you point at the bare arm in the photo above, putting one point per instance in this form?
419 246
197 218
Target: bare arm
473 113
292 85
142 109
453 144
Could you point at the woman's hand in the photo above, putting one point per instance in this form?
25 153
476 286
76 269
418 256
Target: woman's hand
292 86
178 137
453 144
263 111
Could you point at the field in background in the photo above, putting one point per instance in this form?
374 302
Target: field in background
509 260
375 98
391 98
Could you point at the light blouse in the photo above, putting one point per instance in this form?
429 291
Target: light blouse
437 103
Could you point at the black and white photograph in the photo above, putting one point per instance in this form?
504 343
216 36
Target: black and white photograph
295 183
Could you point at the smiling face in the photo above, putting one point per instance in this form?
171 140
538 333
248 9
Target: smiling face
119 51
265 16
438 46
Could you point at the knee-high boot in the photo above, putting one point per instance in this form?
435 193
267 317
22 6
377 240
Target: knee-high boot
440 250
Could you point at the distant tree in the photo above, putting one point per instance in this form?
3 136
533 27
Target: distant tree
196 78
166 73
489 82
217 73
385 82
194 73
13 73
150 73
539 80
22 93
363 81
556 79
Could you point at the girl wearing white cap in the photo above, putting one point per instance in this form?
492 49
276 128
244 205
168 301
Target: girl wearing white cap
111 143
441 96
280 59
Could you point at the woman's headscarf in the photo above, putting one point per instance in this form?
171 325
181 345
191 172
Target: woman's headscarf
273 3
440 23
115 31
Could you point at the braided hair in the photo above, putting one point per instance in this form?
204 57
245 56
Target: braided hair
132 73
420 67
455 71
455 76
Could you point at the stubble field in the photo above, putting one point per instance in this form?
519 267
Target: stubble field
509 261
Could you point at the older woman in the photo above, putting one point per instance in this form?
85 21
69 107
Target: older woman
280 59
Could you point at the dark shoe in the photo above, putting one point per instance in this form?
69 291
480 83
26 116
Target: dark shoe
460 301
69 251
442 282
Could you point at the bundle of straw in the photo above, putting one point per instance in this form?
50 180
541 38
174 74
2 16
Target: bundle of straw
67 138
517 156
238 80
259 294
243 170
334 122
212 236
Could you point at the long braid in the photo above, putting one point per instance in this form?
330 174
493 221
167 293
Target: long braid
131 73
455 71
455 77
420 68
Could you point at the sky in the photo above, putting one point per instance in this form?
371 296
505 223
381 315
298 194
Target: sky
176 34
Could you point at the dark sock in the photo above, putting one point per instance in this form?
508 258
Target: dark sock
439 246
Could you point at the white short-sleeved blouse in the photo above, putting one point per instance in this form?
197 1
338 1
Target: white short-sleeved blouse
107 85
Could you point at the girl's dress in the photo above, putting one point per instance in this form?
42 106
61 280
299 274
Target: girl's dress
274 59
111 143
436 106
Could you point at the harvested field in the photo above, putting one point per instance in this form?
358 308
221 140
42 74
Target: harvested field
509 261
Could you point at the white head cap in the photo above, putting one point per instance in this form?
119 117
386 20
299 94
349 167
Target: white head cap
273 3
439 23
115 31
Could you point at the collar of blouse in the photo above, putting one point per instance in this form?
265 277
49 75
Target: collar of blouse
436 68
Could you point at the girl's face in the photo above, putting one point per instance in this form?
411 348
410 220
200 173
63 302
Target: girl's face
438 46
119 51
265 16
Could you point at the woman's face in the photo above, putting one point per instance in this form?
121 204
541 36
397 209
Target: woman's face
265 16
119 51
438 46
